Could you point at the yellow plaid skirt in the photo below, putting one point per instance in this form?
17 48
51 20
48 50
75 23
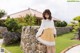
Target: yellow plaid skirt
47 37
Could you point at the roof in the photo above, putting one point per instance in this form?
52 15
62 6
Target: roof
26 12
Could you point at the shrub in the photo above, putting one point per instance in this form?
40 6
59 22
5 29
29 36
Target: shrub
60 24
12 25
2 22
57 23
63 24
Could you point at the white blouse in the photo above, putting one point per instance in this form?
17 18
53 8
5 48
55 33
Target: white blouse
46 24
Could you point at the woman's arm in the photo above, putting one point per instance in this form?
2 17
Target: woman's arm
40 29
55 31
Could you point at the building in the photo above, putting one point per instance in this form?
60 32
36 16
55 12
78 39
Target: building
27 12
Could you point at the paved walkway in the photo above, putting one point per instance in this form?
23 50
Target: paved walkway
75 49
1 41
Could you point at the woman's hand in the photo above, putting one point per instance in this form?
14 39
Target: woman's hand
38 36
55 35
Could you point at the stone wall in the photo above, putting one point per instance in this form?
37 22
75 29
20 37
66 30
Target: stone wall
63 30
2 29
9 37
29 44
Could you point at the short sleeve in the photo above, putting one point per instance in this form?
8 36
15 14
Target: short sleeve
40 29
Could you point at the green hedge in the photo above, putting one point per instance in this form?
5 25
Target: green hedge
60 23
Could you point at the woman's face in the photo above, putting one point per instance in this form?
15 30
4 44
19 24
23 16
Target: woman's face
46 15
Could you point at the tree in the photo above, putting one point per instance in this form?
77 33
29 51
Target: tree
74 26
2 13
78 19
30 20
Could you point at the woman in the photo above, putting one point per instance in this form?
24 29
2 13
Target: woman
47 32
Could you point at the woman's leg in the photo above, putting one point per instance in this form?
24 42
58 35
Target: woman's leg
48 49
53 50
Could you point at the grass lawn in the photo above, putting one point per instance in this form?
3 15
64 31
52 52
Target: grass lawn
65 41
14 48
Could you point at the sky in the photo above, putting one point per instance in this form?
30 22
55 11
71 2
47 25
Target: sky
60 9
